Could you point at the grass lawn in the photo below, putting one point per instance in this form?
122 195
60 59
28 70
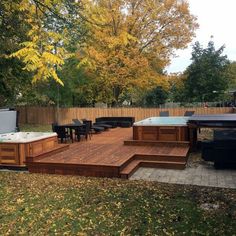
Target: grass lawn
34 204
35 128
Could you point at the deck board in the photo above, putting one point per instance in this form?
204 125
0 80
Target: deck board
104 150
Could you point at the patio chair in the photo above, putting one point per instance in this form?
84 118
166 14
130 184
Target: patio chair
93 128
164 113
54 126
77 121
189 113
62 133
89 122
96 129
84 131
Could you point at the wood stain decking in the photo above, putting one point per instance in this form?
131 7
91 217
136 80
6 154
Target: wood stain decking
105 155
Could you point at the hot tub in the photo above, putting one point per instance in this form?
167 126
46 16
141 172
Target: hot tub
15 147
173 128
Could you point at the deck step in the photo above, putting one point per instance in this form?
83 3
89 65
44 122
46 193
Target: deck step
132 142
169 158
55 150
181 158
128 170
134 165
164 164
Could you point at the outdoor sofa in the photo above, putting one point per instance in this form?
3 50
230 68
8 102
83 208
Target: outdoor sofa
118 121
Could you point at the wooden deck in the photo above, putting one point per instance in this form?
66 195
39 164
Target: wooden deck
106 155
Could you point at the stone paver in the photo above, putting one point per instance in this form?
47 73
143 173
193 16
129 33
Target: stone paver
203 174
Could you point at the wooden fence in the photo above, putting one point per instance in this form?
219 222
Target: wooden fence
48 115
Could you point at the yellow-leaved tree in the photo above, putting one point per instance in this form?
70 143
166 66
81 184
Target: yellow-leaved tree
44 52
132 40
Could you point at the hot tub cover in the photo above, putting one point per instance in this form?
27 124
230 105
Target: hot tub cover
8 121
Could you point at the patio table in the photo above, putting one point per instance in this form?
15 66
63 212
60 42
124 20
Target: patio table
72 127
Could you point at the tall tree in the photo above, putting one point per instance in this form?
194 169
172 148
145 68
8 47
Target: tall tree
132 40
207 77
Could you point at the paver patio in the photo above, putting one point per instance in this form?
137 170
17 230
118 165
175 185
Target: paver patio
203 174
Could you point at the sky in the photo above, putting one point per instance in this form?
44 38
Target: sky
216 18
